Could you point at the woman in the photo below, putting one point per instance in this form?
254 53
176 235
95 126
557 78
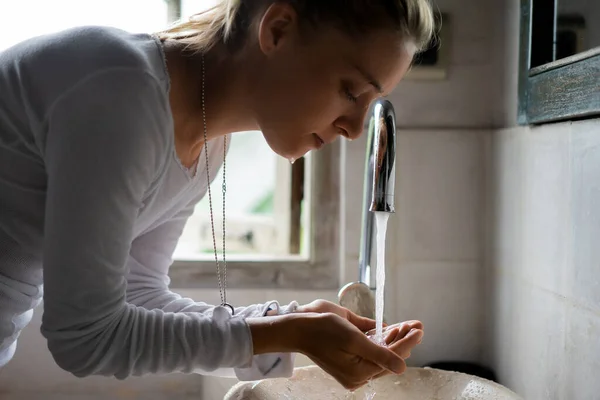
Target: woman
108 140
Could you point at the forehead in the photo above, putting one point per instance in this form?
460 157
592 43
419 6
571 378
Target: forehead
383 56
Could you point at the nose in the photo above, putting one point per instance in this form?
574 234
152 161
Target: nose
351 125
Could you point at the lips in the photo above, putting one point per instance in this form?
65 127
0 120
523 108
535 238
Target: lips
320 142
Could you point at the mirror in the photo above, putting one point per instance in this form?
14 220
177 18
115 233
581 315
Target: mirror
577 27
563 28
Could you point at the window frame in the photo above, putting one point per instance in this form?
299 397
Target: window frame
173 10
319 270
559 90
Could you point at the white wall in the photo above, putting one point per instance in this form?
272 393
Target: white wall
542 256
544 260
434 240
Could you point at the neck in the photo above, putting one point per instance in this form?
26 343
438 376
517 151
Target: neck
227 104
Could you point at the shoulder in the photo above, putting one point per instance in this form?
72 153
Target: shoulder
111 87
94 47
120 104
106 47
51 64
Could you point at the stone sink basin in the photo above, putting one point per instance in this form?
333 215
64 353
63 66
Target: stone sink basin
310 383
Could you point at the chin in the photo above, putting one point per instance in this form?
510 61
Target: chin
293 154
301 152
286 145
289 152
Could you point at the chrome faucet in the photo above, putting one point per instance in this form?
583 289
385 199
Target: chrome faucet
378 196
380 176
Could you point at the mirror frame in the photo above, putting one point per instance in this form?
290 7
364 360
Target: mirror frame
560 90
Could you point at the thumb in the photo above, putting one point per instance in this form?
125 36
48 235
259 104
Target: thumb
381 356
362 323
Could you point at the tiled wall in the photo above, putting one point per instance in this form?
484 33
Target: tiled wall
543 251
544 260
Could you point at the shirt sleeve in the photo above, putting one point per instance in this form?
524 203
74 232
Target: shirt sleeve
149 261
148 287
105 145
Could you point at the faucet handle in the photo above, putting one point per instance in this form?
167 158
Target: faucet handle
358 298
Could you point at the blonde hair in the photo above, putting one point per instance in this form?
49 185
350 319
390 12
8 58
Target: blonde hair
228 22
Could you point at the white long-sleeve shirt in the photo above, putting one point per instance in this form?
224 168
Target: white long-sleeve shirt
92 202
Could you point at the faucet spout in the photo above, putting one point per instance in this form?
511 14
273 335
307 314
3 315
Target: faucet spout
380 177
378 196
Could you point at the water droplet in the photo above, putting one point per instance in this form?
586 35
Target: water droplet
292 160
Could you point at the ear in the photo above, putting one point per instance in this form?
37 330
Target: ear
277 27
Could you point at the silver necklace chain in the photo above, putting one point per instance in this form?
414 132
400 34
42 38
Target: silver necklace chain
221 275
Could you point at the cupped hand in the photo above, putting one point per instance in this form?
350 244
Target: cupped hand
400 338
399 335
344 351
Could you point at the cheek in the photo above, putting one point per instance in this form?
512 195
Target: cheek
306 103
301 97
321 98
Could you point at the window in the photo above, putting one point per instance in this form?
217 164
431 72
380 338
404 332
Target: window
272 236
559 71
258 209
22 19
264 249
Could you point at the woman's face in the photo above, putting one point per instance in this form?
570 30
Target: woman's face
309 91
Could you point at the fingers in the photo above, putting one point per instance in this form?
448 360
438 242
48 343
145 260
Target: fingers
403 346
382 356
404 329
414 324
381 374
362 323
405 326
357 386
324 306
391 336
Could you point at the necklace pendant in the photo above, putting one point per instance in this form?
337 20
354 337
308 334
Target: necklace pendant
227 305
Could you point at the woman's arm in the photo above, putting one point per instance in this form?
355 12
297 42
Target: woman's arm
105 145
148 286
149 260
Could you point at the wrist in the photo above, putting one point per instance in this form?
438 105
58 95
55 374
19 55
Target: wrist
275 334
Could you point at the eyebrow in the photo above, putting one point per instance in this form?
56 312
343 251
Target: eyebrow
369 78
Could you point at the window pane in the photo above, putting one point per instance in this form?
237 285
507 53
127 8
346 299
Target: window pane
258 205
23 19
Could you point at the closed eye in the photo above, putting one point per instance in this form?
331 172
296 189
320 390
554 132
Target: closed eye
349 95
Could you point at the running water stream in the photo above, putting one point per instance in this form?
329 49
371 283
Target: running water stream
381 221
